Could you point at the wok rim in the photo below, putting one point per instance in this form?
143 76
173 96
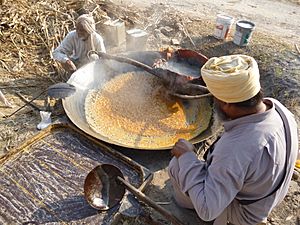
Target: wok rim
207 133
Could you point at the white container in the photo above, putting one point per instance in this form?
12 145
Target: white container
114 32
243 32
136 40
223 26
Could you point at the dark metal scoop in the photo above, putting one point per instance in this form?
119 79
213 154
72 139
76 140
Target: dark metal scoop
56 91
101 189
108 177
177 84
61 90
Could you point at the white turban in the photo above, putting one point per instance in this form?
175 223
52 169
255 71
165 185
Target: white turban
233 78
88 23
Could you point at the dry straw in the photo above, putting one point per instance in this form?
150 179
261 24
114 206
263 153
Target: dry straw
30 30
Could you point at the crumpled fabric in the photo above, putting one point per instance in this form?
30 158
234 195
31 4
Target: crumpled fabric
46 120
233 78
88 23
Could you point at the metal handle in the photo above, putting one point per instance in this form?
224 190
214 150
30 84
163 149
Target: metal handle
190 97
124 60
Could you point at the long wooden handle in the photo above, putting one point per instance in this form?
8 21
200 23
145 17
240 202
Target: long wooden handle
141 196
166 75
133 62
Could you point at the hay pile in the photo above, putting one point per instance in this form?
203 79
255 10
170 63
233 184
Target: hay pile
30 30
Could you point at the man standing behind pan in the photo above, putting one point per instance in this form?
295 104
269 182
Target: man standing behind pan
72 52
248 171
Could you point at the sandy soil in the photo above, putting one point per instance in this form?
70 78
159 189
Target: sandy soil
279 18
192 23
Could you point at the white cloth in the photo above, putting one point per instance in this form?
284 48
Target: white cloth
75 49
247 163
88 23
46 120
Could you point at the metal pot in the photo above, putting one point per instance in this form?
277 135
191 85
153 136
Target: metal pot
95 74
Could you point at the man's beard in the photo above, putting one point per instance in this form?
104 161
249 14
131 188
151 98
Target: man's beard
219 115
84 39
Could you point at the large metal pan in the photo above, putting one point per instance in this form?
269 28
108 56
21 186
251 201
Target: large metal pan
95 74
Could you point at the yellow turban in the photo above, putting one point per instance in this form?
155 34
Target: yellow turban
233 78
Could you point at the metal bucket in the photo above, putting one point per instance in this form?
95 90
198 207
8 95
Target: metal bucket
243 32
95 74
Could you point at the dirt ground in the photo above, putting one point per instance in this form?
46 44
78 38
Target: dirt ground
278 18
27 71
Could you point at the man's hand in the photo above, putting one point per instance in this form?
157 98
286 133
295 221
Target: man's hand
70 65
182 146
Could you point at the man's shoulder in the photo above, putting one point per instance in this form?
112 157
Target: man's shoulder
284 109
71 35
244 142
275 102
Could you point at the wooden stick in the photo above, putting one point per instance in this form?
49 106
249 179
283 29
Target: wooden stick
5 66
95 9
125 60
297 48
51 8
141 196
146 182
185 31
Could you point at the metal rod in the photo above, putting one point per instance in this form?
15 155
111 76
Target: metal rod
17 86
25 104
121 59
26 101
191 96
170 78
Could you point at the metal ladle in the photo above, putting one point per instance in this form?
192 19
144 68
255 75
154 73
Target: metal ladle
177 84
101 189
56 91
105 177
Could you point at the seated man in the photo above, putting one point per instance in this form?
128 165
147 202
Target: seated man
248 170
72 52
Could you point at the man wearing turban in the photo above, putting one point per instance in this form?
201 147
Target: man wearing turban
247 171
72 52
